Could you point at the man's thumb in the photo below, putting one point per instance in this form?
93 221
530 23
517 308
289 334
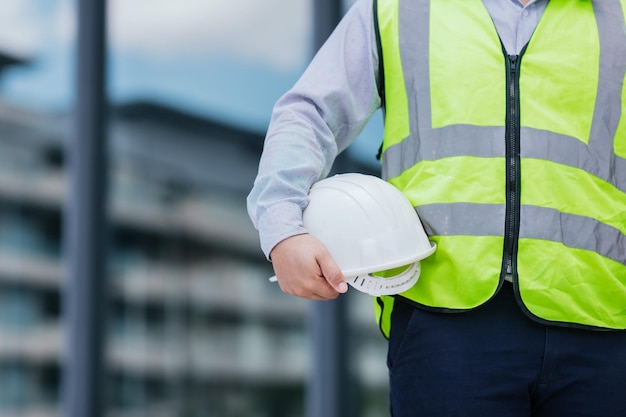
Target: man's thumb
333 274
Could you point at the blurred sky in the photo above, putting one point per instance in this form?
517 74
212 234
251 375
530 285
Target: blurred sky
223 59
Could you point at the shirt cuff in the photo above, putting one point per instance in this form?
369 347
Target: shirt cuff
279 222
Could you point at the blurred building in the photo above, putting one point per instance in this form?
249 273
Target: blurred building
194 327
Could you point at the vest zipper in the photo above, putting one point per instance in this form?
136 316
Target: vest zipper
512 133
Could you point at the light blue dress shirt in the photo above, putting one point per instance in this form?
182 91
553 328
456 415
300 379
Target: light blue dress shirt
329 106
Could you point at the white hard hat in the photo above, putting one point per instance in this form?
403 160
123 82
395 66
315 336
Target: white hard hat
368 226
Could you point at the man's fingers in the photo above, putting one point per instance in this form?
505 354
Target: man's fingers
304 268
314 288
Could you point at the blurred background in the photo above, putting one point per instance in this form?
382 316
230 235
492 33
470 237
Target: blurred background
193 328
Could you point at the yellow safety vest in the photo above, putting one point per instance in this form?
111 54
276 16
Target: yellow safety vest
515 164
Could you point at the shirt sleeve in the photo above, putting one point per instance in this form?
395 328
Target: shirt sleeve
317 118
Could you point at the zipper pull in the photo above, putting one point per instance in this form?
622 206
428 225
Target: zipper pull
513 62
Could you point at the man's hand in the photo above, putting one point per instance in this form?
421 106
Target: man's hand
305 268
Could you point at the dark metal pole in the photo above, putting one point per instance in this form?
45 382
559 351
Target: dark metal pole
84 221
326 15
328 391
328 394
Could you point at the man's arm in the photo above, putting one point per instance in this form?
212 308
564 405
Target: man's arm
314 121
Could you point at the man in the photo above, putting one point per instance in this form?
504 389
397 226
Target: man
505 126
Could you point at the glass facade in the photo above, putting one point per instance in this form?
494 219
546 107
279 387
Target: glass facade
193 327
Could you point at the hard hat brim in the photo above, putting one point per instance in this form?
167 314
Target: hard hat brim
371 269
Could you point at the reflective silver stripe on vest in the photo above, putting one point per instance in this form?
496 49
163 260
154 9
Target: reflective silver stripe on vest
608 104
541 144
442 143
452 219
416 14
488 142
412 15
574 231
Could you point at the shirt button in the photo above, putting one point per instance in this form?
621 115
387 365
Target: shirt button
525 12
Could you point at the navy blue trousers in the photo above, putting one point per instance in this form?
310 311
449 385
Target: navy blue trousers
495 361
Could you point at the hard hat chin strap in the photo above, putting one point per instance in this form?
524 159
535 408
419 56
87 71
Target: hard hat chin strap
376 286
